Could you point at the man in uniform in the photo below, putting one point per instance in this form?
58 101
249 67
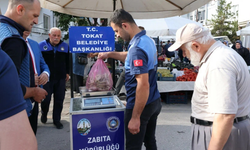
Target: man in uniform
221 98
21 16
56 55
143 98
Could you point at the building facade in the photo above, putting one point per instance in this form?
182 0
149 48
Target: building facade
40 31
206 12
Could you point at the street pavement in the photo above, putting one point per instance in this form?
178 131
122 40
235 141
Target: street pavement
172 133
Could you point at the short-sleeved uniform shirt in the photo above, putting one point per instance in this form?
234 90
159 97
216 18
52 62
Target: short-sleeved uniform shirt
222 85
141 58
11 101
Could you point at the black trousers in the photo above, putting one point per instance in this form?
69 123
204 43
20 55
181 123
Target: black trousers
57 87
33 117
147 129
78 81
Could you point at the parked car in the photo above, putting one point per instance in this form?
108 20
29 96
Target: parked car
223 38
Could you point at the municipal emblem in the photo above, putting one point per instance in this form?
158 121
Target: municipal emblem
45 47
62 48
113 124
84 126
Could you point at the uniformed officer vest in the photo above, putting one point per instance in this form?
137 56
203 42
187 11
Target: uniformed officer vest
56 57
45 47
7 31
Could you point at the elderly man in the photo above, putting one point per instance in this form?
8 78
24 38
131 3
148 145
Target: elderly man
56 55
221 99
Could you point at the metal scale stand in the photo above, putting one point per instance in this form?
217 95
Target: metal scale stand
97 121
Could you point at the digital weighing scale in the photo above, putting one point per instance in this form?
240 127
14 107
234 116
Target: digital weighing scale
97 121
99 102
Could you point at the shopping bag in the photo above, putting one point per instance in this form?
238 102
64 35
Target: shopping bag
99 78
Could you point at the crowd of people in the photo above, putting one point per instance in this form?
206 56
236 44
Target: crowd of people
237 46
31 72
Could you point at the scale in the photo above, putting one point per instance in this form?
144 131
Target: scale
93 115
98 99
99 102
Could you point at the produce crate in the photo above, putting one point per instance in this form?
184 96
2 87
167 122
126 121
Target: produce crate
160 78
176 98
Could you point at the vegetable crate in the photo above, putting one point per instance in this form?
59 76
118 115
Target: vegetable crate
176 98
160 78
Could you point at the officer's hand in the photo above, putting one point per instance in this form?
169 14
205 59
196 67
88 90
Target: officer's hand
39 94
67 77
103 55
36 80
92 55
134 126
43 79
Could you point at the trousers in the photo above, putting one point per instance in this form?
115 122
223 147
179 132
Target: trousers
238 139
147 129
57 88
33 117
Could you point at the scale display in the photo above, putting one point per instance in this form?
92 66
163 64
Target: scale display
98 102
92 102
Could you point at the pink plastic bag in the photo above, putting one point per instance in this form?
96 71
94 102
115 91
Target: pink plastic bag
99 78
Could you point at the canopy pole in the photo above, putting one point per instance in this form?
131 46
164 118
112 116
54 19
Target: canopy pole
113 60
71 76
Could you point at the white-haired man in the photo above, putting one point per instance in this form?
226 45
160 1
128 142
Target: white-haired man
221 99
56 55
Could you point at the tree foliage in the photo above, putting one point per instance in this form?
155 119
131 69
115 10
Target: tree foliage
64 21
225 22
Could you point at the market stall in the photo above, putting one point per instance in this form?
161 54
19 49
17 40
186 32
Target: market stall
171 86
139 9
182 80
164 26
175 86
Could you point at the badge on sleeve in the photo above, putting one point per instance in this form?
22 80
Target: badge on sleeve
45 47
138 63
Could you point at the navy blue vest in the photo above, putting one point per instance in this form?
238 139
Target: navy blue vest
7 31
